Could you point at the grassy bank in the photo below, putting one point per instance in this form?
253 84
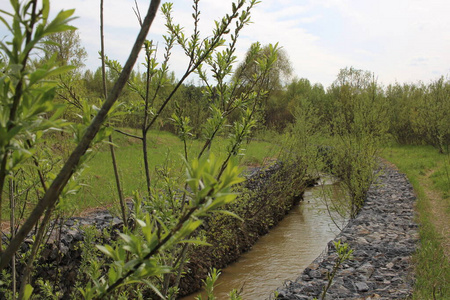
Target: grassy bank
429 172
165 154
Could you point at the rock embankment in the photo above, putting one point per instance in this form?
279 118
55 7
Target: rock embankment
269 192
383 237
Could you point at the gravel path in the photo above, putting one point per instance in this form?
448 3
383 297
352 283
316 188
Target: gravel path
383 236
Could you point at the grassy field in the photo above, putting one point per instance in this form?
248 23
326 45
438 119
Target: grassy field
165 154
429 172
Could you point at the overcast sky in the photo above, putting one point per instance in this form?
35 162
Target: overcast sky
399 40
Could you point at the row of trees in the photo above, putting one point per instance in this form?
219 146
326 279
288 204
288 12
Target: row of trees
418 112
356 116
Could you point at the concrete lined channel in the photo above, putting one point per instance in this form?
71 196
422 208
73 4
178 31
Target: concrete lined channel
284 252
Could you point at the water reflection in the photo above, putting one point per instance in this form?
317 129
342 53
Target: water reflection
283 253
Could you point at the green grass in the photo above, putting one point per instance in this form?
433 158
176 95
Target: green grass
428 171
165 152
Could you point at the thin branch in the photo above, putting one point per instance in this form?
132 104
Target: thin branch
111 146
137 12
12 223
194 65
73 99
127 134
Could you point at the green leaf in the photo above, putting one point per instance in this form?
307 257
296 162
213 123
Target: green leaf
188 228
62 18
126 238
10 134
28 292
229 213
141 223
6 23
45 9
112 275
149 284
107 249
131 264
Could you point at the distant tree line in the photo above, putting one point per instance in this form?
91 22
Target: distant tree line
415 113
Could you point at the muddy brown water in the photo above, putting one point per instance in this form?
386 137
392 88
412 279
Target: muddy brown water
284 252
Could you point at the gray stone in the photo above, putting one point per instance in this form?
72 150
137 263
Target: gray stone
315 274
367 269
305 277
362 287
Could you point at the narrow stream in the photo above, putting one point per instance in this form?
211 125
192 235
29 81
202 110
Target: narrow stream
284 252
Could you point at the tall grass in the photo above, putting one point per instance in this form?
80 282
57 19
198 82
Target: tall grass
428 172
165 160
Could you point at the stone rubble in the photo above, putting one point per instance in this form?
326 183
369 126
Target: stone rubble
383 237
61 255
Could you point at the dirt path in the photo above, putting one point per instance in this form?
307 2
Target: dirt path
439 209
